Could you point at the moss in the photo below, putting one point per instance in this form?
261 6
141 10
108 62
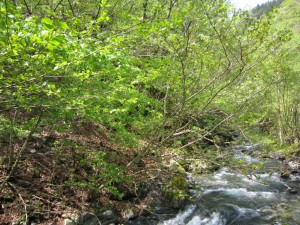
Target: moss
8 198
176 168
181 170
175 190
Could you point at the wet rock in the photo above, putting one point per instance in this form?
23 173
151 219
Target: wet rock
198 166
108 217
292 191
165 213
294 164
294 178
107 214
128 214
69 222
247 150
88 219
156 199
176 190
71 219
104 218
285 175
295 171
157 214
281 158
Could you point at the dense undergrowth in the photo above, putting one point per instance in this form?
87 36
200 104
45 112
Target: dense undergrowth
97 98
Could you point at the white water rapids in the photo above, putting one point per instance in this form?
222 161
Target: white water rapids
231 198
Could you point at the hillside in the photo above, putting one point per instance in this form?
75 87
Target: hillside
100 101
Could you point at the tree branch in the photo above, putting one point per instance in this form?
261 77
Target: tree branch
27 7
20 152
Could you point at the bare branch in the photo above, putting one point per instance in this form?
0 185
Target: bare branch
27 7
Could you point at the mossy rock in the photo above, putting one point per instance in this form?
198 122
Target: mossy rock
198 166
176 168
176 190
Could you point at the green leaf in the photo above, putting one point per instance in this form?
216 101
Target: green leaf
62 25
52 86
54 42
47 21
51 47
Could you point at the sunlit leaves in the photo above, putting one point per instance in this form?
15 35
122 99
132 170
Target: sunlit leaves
121 64
48 23
62 25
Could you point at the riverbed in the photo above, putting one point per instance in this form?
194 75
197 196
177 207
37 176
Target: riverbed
229 197
234 197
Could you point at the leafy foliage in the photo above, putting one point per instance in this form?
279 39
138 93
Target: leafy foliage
152 70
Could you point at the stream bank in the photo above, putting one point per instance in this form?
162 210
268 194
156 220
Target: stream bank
150 197
228 197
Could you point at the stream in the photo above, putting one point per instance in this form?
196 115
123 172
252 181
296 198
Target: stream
227 197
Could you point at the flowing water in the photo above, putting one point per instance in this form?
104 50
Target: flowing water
232 198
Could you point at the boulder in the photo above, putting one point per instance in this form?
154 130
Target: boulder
198 166
294 164
176 190
104 218
71 219
129 213
176 167
88 219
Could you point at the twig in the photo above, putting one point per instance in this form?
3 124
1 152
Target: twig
138 157
20 153
57 5
72 9
288 187
13 188
42 199
25 208
27 7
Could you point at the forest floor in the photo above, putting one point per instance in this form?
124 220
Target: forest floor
39 191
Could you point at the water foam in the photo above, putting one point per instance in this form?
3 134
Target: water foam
240 192
215 219
179 219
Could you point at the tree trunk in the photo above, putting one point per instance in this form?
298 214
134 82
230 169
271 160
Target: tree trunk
279 117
